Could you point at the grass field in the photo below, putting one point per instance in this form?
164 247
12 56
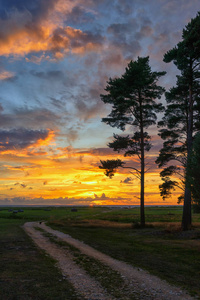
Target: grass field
161 248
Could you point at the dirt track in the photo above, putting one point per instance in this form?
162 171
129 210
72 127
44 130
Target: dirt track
140 283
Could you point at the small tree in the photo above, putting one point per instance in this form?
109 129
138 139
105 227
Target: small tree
133 104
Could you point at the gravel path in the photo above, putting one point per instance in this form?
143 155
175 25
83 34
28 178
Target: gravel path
147 286
82 282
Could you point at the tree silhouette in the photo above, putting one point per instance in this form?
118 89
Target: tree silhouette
133 104
174 135
194 172
182 113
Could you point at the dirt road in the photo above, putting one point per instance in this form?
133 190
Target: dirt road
139 283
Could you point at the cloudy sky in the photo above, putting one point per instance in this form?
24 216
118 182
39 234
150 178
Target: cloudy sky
55 59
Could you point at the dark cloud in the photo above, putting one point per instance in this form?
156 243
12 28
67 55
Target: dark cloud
127 180
79 15
58 103
87 37
122 36
54 74
98 152
87 110
37 8
60 201
25 118
16 139
17 21
72 135
102 197
145 31
125 7
119 30
8 5
40 8
23 185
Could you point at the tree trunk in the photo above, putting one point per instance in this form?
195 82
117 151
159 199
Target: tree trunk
187 216
142 215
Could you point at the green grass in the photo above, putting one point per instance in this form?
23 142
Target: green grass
123 215
26 272
163 249
153 214
49 213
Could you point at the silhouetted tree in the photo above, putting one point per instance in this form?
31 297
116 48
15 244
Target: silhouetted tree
182 113
194 172
133 104
175 136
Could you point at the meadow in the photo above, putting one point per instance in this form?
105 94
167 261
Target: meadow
161 248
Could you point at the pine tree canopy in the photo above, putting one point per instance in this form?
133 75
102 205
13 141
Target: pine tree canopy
133 99
136 89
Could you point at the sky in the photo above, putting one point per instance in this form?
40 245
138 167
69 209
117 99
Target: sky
55 59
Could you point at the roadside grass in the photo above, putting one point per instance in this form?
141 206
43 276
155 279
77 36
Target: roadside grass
27 272
163 250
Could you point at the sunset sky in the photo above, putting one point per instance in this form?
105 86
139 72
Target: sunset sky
55 59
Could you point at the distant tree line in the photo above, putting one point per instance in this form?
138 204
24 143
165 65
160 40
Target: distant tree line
134 100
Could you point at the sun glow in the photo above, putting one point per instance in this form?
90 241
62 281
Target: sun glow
62 175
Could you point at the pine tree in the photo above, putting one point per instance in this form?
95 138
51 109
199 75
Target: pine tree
174 134
185 99
194 172
133 104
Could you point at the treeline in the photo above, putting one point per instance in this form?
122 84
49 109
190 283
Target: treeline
134 100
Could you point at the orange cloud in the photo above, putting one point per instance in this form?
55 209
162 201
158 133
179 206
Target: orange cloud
46 141
6 75
25 142
20 35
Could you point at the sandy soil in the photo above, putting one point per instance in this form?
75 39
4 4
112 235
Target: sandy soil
144 285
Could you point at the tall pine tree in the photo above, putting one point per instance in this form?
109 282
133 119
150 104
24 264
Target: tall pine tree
194 172
174 134
182 113
133 104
